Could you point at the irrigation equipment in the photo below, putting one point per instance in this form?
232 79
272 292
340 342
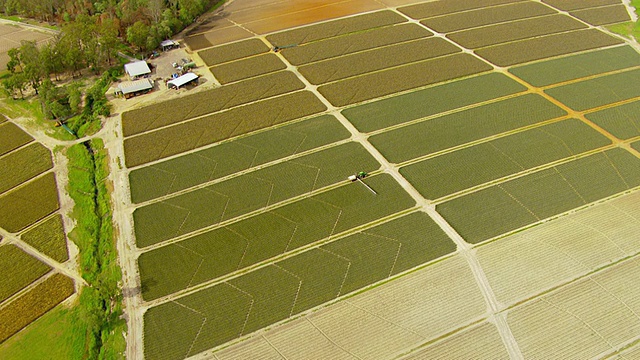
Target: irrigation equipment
358 177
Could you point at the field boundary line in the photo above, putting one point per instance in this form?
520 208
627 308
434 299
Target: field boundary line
346 301
246 319
492 24
346 273
589 77
273 347
330 339
295 299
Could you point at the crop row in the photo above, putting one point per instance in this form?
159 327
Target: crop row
245 193
589 94
437 8
17 270
234 51
577 66
487 16
604 15
29 203
335 28
402 78
418 104
344 45
207 102
377 59
485 162
49 239
12 137
2 119
36 302
547 46
247 68
569 5
517 30
430 136
621 121
219 126
636 146
22 165
520 202
236 155
294 285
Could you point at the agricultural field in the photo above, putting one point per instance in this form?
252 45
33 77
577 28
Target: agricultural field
247 68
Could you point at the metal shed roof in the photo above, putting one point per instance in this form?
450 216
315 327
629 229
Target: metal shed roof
128 87
168 43
137 68
182 80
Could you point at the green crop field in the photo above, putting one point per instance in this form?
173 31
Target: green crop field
603 15
28 203
377 59
234 51
462 169
415 105
12 137
579 4
517 30
176 174
577 66
546 46
49 239
621 121
520 202
296 284
252 191
636 146
17 270
436 8
221 126
592 93
247 68
430 136
373 85
23 164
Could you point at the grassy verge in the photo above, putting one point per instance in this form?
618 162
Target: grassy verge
629 29
31 108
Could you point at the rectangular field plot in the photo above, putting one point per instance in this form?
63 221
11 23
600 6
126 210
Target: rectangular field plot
216 37
17 270
463 169
582 320
592 93
370 86
49 239
621 121
220 126
173 111
234 51
29 203
546 46
377 59
579 4
577 66
516 30
603 15
335 28
176 174
436 8
258 238
249 192
343 45
33 304
535 260
486 16
499 209
430 136
415 105
247 68
22 165
12 137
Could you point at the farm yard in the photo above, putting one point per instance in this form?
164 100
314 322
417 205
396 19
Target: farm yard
497 212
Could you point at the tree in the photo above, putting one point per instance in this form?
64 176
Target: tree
15 82
137 35
30 61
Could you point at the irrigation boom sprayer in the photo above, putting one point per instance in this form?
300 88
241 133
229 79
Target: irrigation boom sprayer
358 177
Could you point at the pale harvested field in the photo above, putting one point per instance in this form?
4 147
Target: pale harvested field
10 37
631 354
527 263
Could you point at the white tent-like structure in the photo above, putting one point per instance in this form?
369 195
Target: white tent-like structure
137 69
182 80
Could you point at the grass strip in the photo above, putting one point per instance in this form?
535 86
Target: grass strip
247 68
49 238
17 270
12 137
603 15
436 8
28 203
24 164
234 51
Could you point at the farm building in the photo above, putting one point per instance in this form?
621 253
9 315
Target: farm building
169 44
182 80
137 69
132 88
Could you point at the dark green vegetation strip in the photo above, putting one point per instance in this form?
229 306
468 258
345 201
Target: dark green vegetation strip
603 16
17 270
482 163
12 137
234 51
225 159
455 129
245 193
22 165
600 91
402 78
579 4
29 203
377 59
247 68
321 275
517 30
177 110
220 126
49 239
547 46
335 28
487 16
33 304
436 8
520 202
411 106
577 66
343 45
621 121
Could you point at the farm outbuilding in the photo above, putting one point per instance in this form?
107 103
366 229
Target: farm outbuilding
182 80
137 69
133 88
169 44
